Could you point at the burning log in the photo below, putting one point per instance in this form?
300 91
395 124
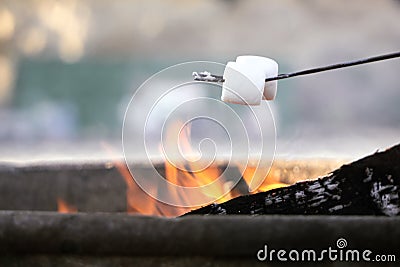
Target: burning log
369 186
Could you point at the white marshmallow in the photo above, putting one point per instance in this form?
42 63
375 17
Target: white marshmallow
270 69
242 85
245 80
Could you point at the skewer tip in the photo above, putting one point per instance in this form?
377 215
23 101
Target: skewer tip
206 76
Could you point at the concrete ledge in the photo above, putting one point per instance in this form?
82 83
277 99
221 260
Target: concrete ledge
219 236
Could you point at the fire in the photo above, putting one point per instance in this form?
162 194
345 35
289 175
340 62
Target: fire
188 174
270 182
138 201
191 173
64 207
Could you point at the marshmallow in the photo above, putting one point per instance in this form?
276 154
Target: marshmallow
242 85
245 80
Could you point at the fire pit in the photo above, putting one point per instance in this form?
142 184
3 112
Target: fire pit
109 227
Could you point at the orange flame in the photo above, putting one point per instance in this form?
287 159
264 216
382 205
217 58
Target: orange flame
183 175
272 181
138 201
64 207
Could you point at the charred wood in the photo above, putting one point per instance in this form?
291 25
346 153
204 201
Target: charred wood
369 186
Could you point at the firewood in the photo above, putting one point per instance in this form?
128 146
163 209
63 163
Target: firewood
369 186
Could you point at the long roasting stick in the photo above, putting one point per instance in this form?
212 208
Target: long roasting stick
208 77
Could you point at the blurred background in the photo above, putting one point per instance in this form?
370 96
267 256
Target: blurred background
69 68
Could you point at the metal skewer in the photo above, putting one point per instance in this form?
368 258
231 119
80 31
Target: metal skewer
208 77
